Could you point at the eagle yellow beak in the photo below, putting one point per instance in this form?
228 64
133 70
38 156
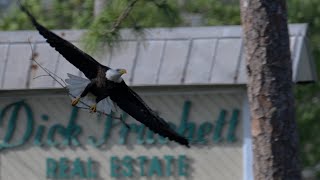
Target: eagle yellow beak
122 71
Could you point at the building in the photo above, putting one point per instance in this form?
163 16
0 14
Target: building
194 77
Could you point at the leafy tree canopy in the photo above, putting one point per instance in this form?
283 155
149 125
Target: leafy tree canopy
61 14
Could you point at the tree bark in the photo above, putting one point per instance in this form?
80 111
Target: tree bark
270 89
99 5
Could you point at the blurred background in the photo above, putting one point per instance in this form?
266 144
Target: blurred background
96 15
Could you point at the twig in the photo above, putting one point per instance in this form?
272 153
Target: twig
40 76
54 77
61 80
123 15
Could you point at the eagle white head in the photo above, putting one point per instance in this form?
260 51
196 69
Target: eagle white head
115 74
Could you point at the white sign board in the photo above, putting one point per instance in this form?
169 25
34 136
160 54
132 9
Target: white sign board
44 137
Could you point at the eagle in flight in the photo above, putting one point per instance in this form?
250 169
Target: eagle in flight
105 85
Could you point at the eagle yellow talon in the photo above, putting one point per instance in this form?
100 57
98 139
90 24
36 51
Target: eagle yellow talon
93 108
75 101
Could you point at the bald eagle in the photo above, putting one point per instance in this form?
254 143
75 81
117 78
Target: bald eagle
105 84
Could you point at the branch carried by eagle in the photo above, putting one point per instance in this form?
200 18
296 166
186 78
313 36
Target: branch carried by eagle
104 89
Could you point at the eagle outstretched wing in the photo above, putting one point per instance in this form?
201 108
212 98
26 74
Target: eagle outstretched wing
84 62
132 103
121 94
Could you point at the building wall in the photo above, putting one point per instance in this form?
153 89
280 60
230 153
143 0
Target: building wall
166 56
216 151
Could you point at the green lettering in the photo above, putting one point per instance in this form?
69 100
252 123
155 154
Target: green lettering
63 168
127 163
142 161
140 129
106 134
77 169
40 131
185 126
124 132
232 127
51 168
70 133
114 166
204 130
219 127
39 135
90 172
182 165
50 139
150 137
73 130
16 108
155 167
169 160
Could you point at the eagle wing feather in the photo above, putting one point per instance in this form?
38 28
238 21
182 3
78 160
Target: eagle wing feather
132 103
84 62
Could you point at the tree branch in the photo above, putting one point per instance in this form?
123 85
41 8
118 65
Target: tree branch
123 16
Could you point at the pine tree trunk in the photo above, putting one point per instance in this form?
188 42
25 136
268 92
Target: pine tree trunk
270 89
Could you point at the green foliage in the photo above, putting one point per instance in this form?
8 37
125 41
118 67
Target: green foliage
146 13
61 15
72 13
17 20
307 96
215 12
157 13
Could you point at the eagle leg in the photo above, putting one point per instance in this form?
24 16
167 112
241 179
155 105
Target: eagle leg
93 108
83 94
75 101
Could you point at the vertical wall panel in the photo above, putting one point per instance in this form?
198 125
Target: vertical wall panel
201 57
242 72
3 61
148 62
47 58
18 64
292 44
304 69
226 61
174 62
